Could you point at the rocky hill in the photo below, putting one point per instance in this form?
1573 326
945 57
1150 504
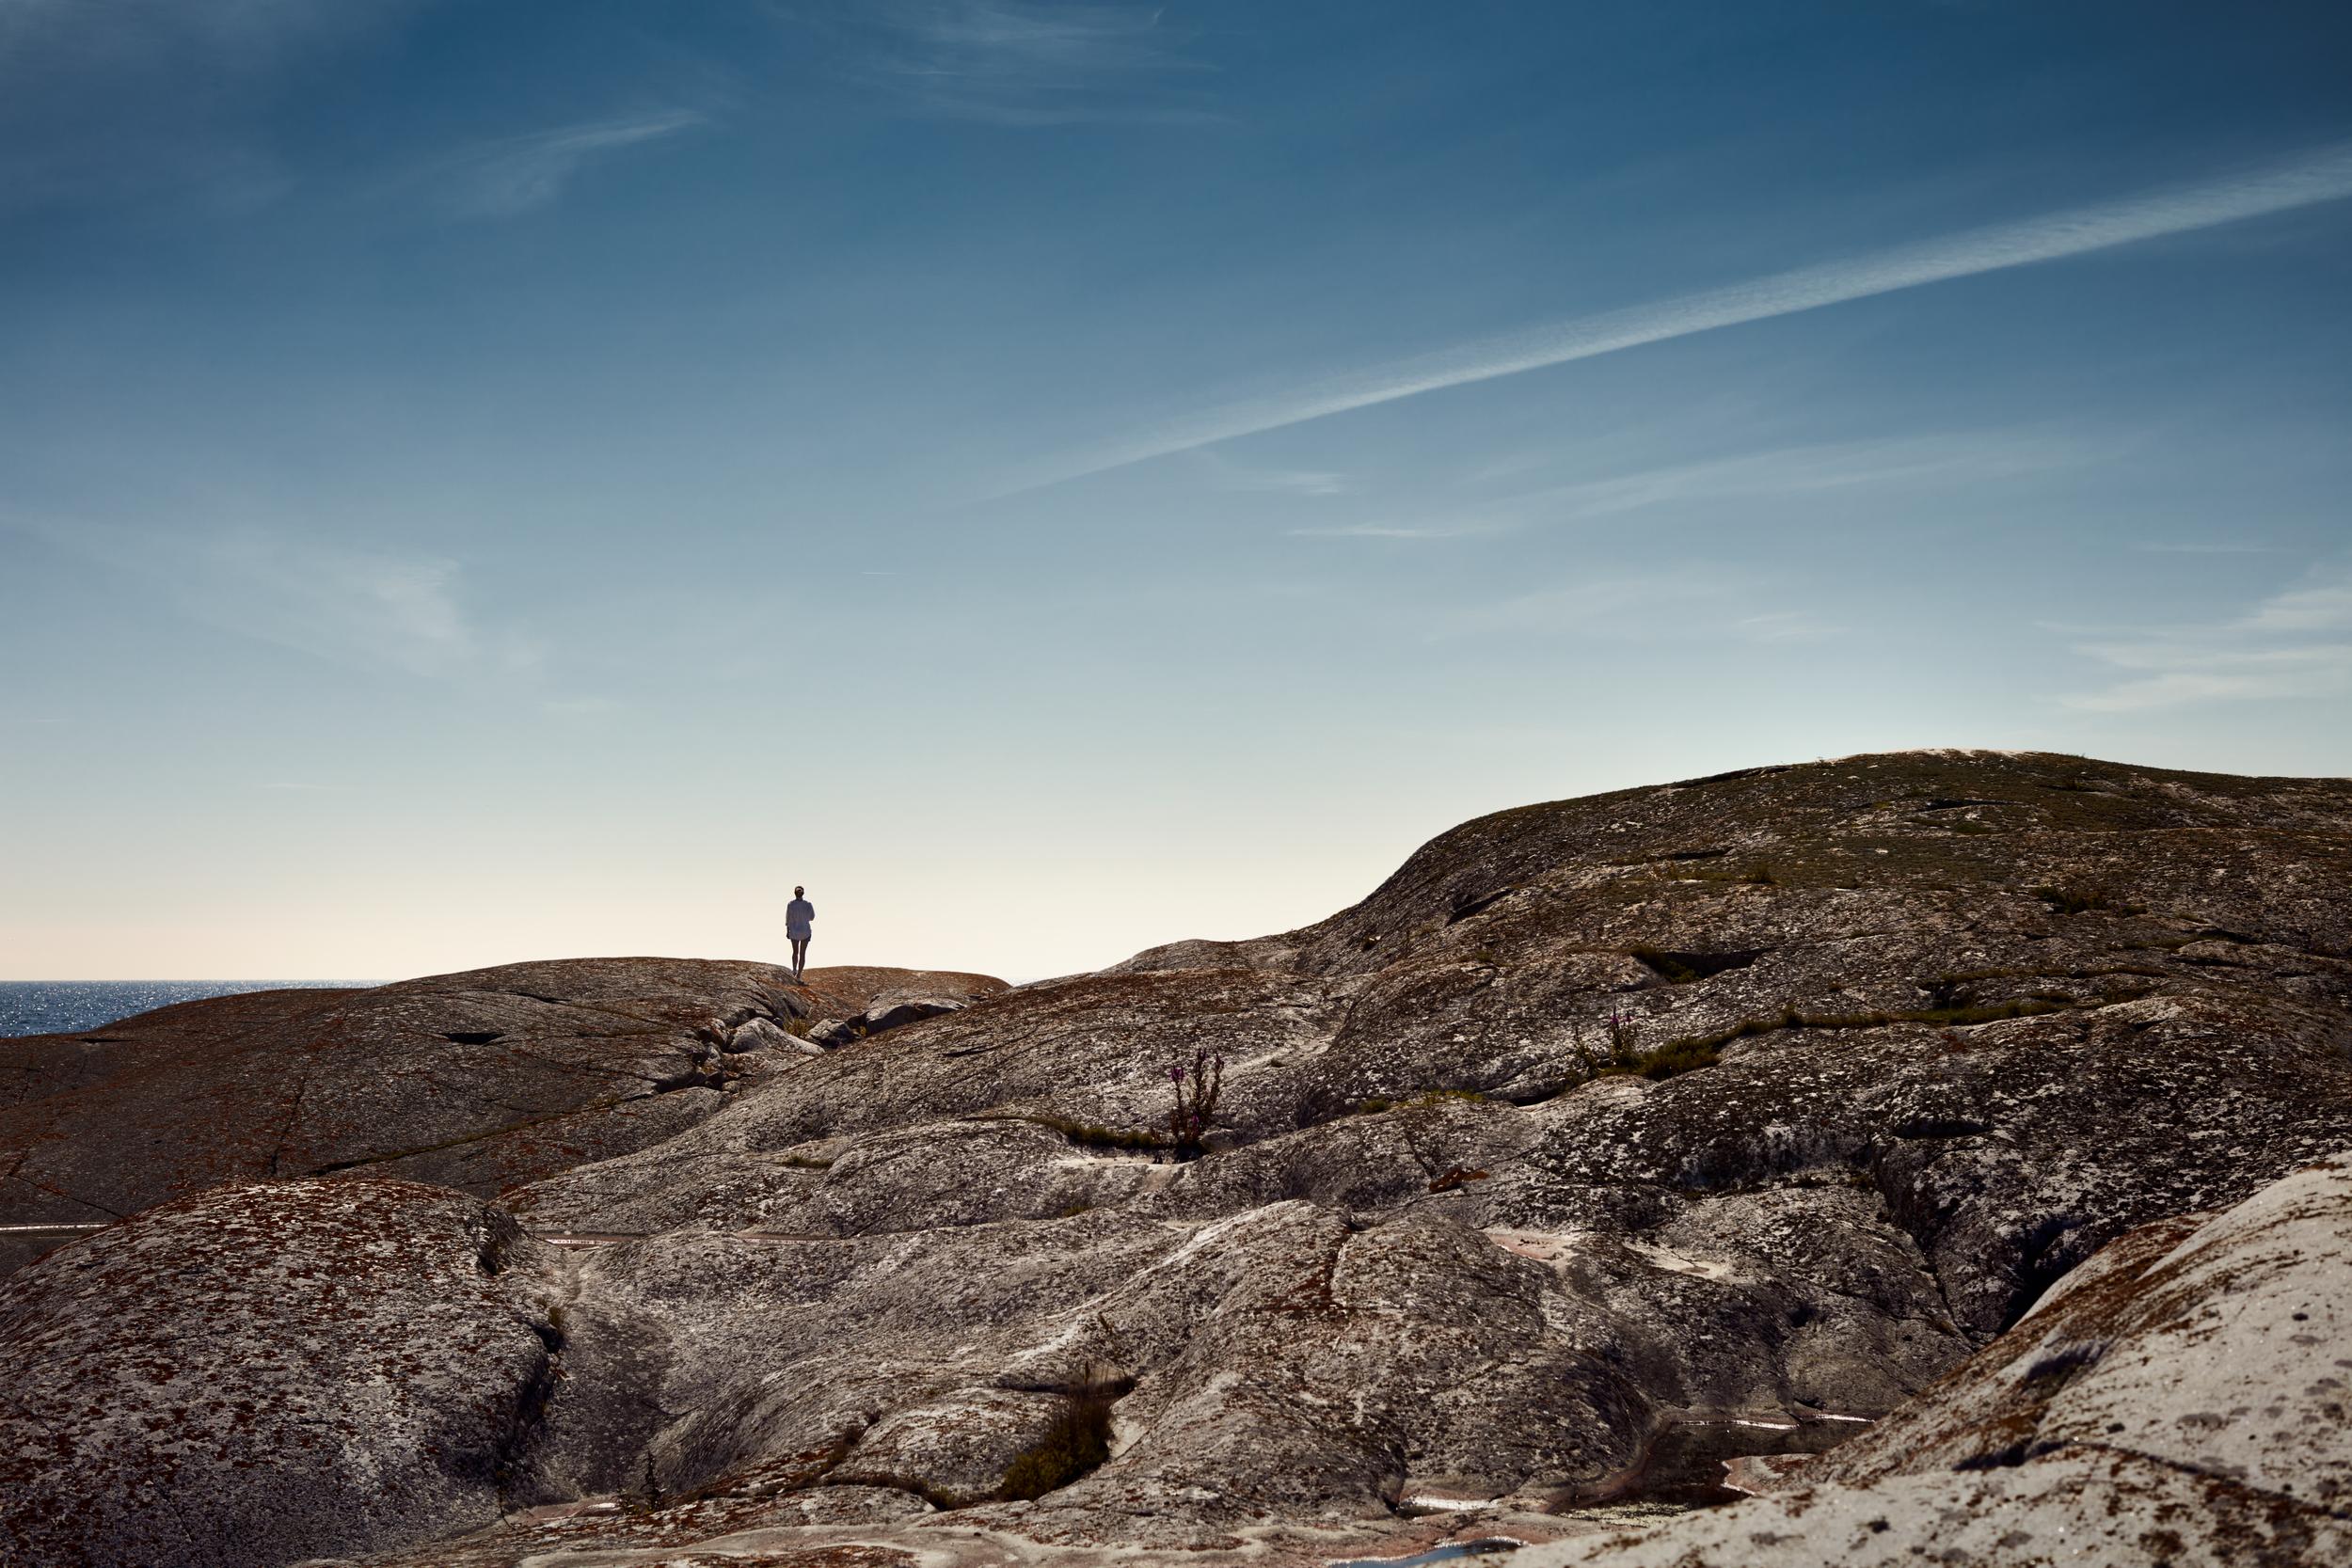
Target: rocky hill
476 1080
1607 1141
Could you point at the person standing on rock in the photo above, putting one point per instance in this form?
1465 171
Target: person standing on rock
799 915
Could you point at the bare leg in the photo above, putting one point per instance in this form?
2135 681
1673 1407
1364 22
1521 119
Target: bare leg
800 957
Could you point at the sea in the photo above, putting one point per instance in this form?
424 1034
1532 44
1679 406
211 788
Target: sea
69 1006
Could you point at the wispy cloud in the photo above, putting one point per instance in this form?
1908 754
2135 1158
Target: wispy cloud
2322 607
1898 462
513 175
2166 547
1780 625
366 608
378 609
2321 175
1394 530
1940 460
1226 474
2296 643
1701 603
1009 62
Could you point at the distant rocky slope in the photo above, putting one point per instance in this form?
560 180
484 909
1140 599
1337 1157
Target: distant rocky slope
476 1081
1607 1140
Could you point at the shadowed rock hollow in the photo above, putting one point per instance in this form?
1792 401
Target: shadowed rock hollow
1606 1140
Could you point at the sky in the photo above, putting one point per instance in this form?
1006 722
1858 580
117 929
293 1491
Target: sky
489 481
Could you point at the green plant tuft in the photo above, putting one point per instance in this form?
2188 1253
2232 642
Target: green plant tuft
1092 1135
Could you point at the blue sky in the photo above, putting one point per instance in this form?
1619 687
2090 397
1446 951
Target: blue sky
488 481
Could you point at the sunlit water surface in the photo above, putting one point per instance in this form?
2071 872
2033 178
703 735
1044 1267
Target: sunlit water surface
68 1006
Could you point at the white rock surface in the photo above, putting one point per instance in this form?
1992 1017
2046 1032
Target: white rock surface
2182 1399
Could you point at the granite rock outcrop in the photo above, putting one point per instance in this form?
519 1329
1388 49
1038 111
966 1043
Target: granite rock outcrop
1607 1141
267 1373
2184 1398
476 1081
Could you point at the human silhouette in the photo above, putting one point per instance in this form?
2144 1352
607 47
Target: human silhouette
799 915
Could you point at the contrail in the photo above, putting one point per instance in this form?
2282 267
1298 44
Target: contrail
2321 175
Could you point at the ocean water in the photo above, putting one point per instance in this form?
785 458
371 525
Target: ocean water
68 1006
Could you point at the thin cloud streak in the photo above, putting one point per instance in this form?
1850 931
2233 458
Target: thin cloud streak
1911 462
2311 178
1011 62
1390 531
1226 474
1934 461
2292 644
506 177
1700 604
383 610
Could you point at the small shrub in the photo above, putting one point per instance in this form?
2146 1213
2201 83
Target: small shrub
1622 1054
1095 1136
1760 875
1619 1032
1197 1090
1676 1057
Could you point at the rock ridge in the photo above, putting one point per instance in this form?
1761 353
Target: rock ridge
1605 1141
